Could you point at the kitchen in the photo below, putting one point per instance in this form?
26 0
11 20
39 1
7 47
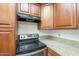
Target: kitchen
53 25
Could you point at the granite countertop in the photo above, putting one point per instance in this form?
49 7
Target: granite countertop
61 46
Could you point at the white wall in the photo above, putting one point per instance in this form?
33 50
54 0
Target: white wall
28 28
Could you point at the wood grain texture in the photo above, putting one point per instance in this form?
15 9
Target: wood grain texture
64 15
7 15
77 11
23 8
46 16
35 9
7 29
52 53
7 42
29 9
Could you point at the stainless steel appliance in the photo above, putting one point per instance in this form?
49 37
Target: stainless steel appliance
29 45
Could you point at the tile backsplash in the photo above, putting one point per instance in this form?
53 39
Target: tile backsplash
29 28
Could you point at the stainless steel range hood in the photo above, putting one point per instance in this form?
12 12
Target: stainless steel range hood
27 18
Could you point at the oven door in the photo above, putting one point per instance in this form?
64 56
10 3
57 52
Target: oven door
42 52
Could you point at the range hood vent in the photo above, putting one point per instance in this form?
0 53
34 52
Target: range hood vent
27 18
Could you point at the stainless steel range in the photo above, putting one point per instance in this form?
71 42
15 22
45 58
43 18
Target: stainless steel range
29 45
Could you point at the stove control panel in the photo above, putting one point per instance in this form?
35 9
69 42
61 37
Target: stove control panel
28 36
23 37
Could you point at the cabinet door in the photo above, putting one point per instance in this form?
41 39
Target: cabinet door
35 9
64 15
77 15
47 16
7 42
24 8
52 53
7 15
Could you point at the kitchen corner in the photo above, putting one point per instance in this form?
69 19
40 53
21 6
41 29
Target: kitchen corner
62 46
24 25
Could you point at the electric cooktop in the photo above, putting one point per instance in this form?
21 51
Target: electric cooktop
28 43
29 47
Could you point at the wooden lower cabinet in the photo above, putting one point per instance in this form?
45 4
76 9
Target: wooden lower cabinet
52 53
7 29
7 42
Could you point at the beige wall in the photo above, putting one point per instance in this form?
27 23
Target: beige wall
29 28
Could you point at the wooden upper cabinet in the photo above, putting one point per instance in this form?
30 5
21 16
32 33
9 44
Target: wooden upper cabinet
7 15
23 8
77 15
29 8
64 15
46 16
35 9
7 42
